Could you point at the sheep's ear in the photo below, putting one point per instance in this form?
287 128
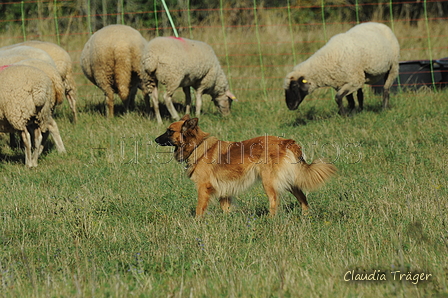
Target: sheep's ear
231 96
190 124
304 84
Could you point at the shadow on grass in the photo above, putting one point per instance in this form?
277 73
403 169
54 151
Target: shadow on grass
313 114
374 108
18 149
16 158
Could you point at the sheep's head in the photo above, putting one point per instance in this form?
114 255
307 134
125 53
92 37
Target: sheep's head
296 91
224 102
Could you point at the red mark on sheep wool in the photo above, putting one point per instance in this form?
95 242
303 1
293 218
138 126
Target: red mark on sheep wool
177 38
4 66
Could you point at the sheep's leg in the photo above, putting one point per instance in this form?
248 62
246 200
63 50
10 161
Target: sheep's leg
71 98
339 98
110 102
54 130
135 81
26 137
147 103
388 81
187 100
169 104
13 141
70 93
44 140
348 88
360 96
385 98
351 101
155 103
38 147
132 96
129 102
198 102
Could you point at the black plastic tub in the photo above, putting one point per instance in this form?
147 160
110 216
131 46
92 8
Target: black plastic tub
443 63
416 74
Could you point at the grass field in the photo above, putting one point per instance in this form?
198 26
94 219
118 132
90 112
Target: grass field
114 216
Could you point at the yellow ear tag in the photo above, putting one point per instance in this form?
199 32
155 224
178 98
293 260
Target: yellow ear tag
304 81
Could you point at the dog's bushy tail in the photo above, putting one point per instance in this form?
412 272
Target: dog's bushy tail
315 174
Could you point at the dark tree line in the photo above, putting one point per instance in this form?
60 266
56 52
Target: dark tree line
237 12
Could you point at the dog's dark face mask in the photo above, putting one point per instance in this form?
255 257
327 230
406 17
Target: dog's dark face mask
166 138
177 131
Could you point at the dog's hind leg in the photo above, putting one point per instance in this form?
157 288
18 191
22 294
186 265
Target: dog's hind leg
298 193
225 202
204 192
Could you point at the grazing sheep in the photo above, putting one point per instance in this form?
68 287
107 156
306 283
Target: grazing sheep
48 68
52 73
58 91
26 99
63 64
180 62
111 61
363 55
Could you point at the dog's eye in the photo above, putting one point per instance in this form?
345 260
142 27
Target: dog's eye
169 132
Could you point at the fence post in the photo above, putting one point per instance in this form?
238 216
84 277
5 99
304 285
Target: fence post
291 34
170 18
221 14
56 23
428 32
89 21
23 21
155 18
259 49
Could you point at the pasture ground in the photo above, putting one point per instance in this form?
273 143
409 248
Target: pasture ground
114 216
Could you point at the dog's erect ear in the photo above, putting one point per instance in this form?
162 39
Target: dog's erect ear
186 117
190 124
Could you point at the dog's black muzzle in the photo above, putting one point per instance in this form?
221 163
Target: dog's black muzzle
164 140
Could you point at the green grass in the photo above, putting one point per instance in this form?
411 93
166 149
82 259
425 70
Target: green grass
118 222
114 217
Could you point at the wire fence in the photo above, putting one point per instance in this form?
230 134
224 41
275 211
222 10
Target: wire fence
257 42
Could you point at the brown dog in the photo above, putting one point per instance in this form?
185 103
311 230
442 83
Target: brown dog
223 169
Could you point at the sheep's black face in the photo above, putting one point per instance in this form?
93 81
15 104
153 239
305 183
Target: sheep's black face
296 92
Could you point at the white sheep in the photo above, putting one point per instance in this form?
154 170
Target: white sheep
26 99
52 73
362 55
63 64
180 62
111 61
48 68
25 52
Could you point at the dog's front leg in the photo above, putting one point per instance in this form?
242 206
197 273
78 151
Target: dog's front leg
272 195
205 190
